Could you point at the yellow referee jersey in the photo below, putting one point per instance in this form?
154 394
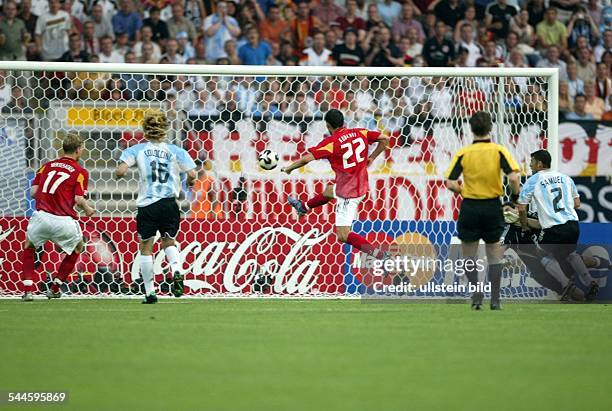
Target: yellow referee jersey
481 164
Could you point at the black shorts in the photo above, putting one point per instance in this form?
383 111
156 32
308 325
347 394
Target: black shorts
560 240
163 216
481 219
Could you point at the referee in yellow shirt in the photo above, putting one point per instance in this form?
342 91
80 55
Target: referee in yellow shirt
481 215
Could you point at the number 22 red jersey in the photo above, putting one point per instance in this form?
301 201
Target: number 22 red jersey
347 152
58 182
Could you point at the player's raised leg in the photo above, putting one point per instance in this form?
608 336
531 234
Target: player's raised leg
317 200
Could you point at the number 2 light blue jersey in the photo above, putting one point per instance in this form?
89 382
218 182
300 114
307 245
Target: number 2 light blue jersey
160 166
553 195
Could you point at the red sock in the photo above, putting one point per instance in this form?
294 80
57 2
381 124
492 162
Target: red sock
27 268
361 244
67 266
317 201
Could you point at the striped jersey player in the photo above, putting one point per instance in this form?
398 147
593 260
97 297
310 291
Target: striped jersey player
160 168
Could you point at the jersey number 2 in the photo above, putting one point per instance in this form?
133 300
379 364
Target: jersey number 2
159 172
61 177
557 199
356 147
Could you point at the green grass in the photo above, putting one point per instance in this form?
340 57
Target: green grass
307 355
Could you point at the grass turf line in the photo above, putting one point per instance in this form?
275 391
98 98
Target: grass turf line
306 355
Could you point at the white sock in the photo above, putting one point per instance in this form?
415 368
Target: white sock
553 268
577 264
146 271
172 256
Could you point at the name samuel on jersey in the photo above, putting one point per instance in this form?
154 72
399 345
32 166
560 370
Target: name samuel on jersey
552 180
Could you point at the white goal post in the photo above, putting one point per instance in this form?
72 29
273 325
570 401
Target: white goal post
238 236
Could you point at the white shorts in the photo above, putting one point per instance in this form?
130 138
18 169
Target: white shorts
61 230
346 210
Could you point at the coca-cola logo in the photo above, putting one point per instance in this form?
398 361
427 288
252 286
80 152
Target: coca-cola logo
291 271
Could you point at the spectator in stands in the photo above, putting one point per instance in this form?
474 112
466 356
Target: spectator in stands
200 51
13 34
185 48
605 46
374 19
331 37
304 26
406 22
287 54
178 23
498 16
582 25
552 61
146 37
351 19
102 26
232 52
33 52
107 52
28 17
77 26
584 65
18 104
75 51
349 53
492 54
449 11
272 27
551 32
411 47
327 11
159 27
389 10
565 101
122 45
382 52
52 29
255 52
317 55
579 112
219 28
594 105
520 25
148 54
439 51
127 21
108 6
574 83
466 42
134 85
603 83
195 13
91 45
469 18
607 116
172 54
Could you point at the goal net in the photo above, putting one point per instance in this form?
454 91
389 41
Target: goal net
238 235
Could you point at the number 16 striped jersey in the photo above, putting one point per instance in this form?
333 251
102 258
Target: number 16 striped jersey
59 181
160 166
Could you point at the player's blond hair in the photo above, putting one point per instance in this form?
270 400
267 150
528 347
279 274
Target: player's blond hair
155 125
71 143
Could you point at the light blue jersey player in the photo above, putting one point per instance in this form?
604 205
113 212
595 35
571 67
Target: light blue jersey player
160 168
554 197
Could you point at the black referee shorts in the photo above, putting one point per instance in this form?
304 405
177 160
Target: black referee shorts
560 240
163 216
481 219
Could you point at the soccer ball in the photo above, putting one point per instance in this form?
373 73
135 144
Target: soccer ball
267 159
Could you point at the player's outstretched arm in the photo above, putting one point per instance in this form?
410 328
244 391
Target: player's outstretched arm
514 180
383 143
83 204
121 170
522 209
297 164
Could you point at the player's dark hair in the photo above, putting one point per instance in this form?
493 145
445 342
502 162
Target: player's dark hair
543 157
481 124
71 143
334 118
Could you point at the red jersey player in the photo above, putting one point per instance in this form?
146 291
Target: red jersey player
347 151
57 187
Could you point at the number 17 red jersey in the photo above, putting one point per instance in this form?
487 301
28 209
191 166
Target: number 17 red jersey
347 152
58 182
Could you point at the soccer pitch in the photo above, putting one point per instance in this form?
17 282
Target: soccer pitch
307 355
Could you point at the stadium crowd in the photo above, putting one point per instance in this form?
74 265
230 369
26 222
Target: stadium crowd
573 35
